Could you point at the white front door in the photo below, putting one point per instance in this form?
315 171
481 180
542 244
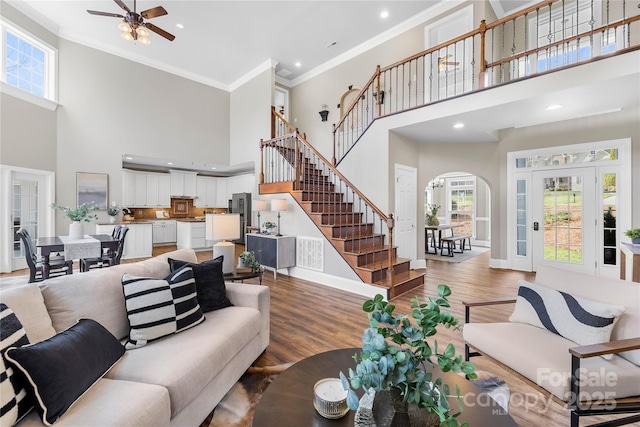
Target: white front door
563 218
404 236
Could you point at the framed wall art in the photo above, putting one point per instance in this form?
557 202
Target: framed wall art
92 188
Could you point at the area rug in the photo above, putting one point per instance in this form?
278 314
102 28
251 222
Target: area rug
236 409
468 254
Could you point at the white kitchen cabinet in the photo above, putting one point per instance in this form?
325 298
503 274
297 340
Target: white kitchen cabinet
138 241
141 189
164 231
128 188
145 189
191 235
183 183
206 187
222 199
152 190
164 190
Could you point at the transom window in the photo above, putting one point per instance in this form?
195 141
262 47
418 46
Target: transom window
28 63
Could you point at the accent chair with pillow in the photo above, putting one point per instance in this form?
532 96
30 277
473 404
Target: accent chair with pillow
567 325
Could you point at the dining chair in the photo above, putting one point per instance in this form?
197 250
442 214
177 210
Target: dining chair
119 234
58 265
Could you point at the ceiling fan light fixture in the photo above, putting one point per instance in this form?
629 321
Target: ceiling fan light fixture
124 27
144 40
126 35
142 31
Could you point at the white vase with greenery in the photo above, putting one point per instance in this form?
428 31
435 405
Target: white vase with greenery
83 213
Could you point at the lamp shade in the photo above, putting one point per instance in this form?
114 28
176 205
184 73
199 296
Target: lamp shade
223 226
279 205
259 205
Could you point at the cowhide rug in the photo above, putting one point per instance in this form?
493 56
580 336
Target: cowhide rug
237 407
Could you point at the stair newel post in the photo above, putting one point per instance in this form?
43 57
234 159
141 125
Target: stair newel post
390 225
483 61
379 97
273 122
296 162
261 178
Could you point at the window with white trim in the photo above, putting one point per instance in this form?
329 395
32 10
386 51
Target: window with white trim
28 63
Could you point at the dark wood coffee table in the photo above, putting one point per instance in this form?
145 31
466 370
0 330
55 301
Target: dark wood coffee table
242 276
288 401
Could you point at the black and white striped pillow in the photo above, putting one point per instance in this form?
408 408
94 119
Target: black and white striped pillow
160 307
579 319
15 402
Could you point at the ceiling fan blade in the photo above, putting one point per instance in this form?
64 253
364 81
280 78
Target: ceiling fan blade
160 31
154 12
96 12
122 5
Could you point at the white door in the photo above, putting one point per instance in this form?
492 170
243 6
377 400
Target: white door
563 221
404 234
26 207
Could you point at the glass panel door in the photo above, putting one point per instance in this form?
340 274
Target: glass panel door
564 227
24 215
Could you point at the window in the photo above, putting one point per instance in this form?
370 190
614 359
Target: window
28 64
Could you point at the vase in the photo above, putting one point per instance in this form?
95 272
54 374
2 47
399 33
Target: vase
112 219
432 220
75 230
636 240
389 410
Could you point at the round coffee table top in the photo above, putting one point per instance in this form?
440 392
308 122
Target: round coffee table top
242 275
288 401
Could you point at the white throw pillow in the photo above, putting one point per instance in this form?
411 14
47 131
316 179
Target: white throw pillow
581 320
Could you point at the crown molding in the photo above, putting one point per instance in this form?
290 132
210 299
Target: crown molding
266 65
424 16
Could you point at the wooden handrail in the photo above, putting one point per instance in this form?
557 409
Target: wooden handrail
356 100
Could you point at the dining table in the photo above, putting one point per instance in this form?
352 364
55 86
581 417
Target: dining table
435 243
49 245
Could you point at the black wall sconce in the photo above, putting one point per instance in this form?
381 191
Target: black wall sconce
375 95
324 114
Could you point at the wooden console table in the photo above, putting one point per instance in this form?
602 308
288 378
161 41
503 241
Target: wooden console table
630 254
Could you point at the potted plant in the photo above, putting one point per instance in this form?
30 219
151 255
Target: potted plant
397 357
248 260
634 235
269 226
113 211
432 215
83 213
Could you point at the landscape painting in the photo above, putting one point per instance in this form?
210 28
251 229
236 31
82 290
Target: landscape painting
92 188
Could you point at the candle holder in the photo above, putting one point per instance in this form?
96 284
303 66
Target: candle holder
330 398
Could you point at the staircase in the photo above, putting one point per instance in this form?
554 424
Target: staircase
346 218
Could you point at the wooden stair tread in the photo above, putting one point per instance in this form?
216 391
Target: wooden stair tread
368 236
382 264
367 250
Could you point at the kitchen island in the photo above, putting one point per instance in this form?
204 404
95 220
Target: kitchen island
191 234
138 242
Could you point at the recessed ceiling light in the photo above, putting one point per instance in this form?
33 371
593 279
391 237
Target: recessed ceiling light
458 126
554 107
298 64
213 168
169 163
180 26
384 14
129 158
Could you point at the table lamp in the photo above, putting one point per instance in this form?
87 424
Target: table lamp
278 205
259 206
224 227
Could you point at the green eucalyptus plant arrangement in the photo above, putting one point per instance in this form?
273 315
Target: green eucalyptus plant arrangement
396 354
83 213
633 234
268 225
249 259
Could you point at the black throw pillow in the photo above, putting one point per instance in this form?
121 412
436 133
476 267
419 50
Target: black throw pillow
62 368
212 292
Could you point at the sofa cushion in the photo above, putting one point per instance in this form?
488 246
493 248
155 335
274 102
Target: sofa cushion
544 358
97 294
191 359
115 403
209 282
579 319
14 401
160 307
608 290
62 368
28 304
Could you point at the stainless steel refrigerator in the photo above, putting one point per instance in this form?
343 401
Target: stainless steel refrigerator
241 204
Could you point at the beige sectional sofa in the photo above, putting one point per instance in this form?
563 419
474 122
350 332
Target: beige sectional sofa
544 359
174 381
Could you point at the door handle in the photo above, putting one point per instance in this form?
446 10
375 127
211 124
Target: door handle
536 226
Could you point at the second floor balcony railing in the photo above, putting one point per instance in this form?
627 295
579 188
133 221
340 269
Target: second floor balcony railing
546 37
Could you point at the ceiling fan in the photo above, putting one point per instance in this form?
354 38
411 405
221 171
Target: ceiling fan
133 26
442 62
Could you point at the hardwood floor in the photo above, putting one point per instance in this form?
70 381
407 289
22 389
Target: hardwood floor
308 318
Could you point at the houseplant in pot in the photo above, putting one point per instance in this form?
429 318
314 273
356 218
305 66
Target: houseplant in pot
83 213
634 235
397 360
113 211
247 259
432 215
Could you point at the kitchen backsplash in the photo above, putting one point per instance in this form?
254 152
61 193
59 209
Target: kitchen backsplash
180 208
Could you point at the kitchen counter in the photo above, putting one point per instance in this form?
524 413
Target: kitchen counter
135 221
190 220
